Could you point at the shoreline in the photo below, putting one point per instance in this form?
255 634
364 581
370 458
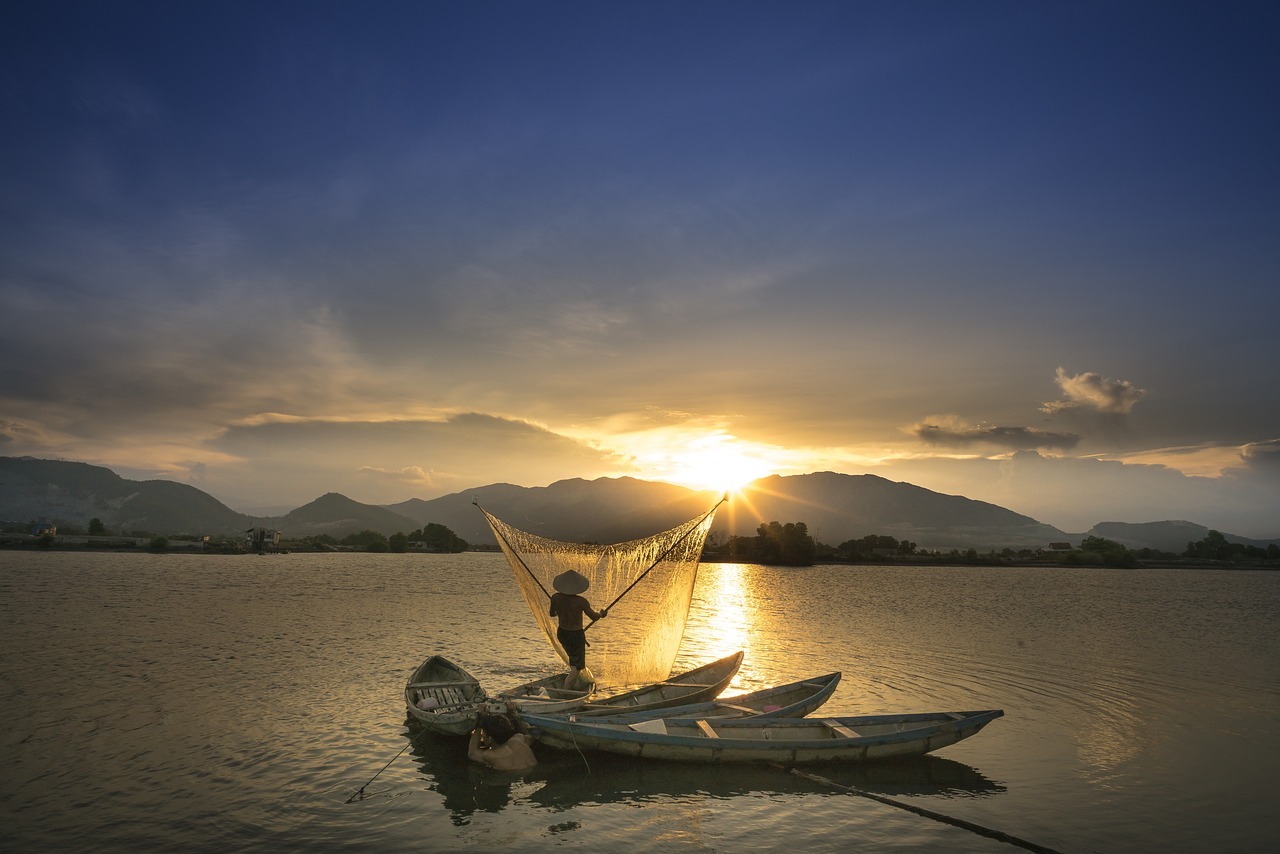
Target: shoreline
141 545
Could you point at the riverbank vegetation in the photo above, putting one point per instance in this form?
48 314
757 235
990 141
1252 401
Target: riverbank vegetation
774 544
791 545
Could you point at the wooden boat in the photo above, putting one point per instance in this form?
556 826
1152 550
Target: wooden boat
793 700
443 697
788 741
546 696
694 686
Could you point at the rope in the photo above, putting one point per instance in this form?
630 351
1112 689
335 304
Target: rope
936 816
359 793
511 550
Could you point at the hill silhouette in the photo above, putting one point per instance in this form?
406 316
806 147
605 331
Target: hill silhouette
70 493
835 507
336 515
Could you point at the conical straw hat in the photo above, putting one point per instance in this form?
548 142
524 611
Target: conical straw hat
571 582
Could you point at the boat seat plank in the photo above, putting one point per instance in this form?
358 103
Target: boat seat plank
445 696
657 725
747 709
839 728
706 729
438 684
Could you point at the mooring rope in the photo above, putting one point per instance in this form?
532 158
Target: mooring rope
359 793
936 816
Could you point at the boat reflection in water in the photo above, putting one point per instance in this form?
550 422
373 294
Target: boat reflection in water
563 780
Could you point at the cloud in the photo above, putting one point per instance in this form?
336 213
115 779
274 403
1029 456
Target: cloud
415 477
948 431
1262 455
1260 464
1094 391
294 460
15 431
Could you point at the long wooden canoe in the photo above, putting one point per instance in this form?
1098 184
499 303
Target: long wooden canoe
788 741
443 697
546 696
694 686
792 700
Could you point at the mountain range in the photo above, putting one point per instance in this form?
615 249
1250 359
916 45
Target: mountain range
835 507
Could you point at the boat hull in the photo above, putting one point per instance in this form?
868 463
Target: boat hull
694 686
786 741
792 700
456 693
546 696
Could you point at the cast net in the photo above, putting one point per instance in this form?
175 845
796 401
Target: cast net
646 584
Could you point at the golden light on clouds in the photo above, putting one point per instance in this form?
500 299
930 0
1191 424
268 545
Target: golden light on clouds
1192 460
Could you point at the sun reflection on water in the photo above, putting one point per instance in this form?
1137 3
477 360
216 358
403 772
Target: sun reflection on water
724 622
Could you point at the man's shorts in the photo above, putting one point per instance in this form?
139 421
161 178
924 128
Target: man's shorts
574 642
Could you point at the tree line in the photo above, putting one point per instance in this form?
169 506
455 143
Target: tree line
790 544
774 543
429 538
432 537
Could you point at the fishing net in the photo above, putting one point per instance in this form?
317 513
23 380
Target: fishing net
646 584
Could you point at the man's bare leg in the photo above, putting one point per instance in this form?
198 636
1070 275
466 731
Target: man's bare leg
572 679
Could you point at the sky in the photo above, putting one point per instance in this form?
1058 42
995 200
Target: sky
1023 252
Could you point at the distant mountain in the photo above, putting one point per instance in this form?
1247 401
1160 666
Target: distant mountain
840 507
608 510
1165 536
70 493
338 516
835 507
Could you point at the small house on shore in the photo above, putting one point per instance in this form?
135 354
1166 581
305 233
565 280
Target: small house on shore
260 539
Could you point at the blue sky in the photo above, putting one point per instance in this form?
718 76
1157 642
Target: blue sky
1022 252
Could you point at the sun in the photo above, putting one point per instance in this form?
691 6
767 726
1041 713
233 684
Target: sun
718 461
697 457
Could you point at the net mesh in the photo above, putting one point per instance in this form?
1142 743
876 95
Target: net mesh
650 580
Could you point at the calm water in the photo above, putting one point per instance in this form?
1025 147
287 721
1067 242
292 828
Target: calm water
214 703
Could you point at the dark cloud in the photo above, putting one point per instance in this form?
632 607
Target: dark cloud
1010 438
385 461
1094 391
16 432
1262 455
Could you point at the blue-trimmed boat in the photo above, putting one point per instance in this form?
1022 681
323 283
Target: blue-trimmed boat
792 700
693 686
787 741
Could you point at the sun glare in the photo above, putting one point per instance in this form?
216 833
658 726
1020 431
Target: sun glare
717 461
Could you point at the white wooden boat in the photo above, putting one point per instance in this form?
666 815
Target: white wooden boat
792 700
694 686
443 697
546 696
787 741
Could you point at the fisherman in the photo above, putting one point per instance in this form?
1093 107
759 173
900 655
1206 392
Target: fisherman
568 604
496 743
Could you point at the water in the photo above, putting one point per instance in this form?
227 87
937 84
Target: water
165 702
